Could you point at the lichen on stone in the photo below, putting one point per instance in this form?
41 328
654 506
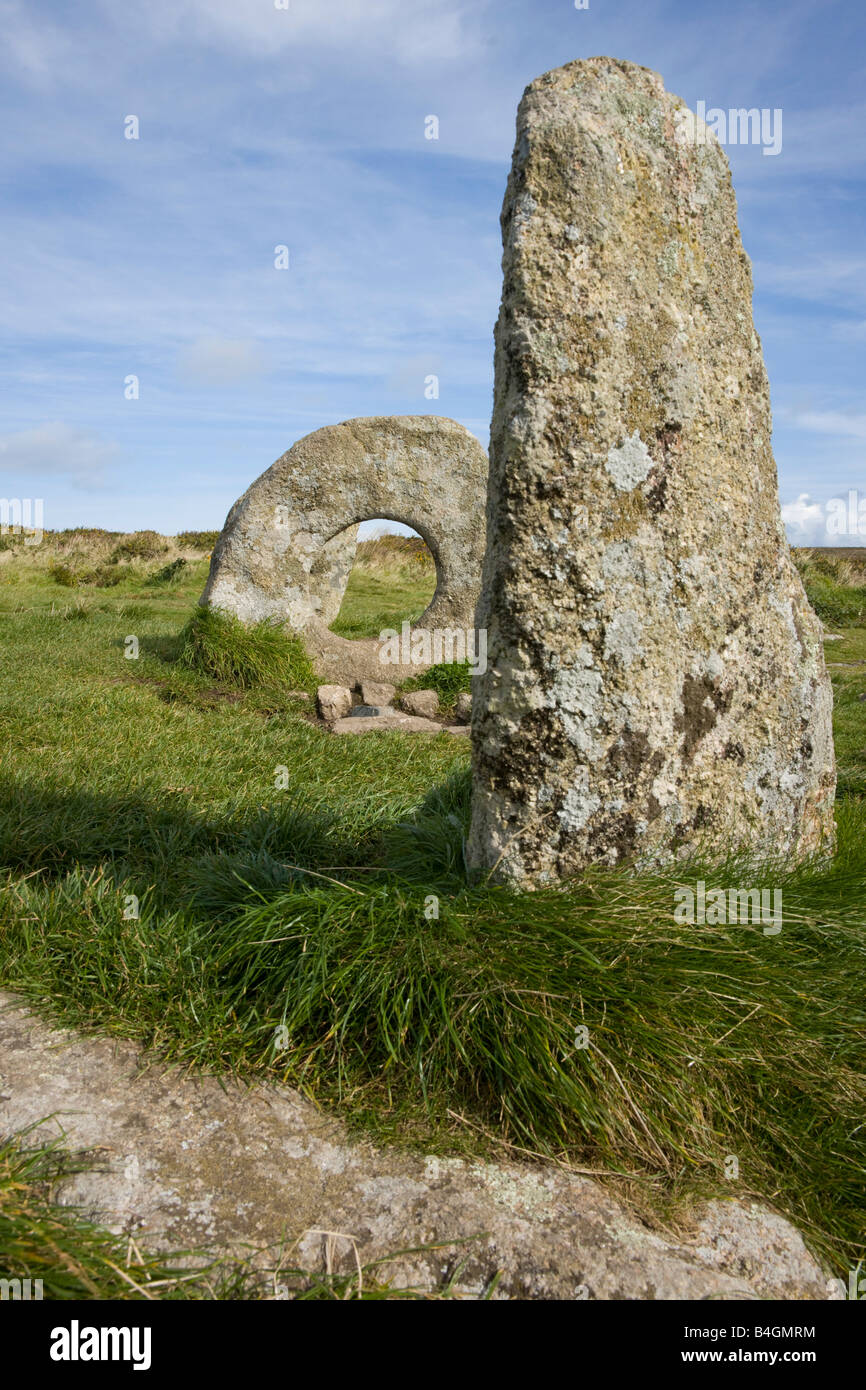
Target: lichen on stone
685 701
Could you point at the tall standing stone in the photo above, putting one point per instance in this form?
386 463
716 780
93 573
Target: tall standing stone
656 676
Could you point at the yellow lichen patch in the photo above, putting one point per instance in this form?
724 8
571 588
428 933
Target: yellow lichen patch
625 517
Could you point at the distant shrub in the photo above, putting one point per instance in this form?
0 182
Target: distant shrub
219 645
105 577
169 573
102 577
197 540
139 545
387 552
65 575
845 565
83 533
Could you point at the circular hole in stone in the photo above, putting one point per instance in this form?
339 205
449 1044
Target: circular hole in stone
392 579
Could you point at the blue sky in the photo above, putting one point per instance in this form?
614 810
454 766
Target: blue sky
305 127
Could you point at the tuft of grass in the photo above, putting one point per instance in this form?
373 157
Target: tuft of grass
703 1041
80 611
846 661
837 604
219 645
448 679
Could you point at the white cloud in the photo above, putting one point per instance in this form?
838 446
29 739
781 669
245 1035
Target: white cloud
56 449
221 361
804 521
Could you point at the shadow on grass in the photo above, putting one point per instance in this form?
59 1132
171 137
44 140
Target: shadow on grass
213 861
165 646
50 832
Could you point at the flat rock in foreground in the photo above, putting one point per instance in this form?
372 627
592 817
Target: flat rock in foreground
185 1162
390 719
656 677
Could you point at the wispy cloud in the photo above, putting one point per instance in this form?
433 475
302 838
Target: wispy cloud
831 279
35 49
56 449
853 331
414 34
221 361
833 422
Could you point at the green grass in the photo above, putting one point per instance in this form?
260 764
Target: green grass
448 679
835 582
284 878
847 665
704 1041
